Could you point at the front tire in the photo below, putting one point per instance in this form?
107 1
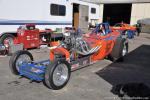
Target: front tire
17 59
57 74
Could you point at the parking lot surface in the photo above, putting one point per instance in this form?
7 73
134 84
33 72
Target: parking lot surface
94 82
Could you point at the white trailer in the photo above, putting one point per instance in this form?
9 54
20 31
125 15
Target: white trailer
46 14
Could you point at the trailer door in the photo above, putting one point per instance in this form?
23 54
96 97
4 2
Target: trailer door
83 17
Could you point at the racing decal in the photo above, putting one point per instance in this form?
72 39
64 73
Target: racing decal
35 70
85 62
28 38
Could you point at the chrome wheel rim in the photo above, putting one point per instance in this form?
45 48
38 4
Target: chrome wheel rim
8 41
60 75
124 51
22 59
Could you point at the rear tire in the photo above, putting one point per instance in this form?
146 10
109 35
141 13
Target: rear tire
5 36
16 60
53 78
119 51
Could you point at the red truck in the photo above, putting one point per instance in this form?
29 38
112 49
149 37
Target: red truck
26 37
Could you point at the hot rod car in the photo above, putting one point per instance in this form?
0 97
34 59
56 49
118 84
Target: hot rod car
74 52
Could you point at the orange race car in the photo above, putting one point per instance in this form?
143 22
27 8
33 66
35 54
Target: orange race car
125 29
74 52
124 26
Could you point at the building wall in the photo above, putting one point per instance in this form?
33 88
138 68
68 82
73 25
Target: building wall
101 13
99 18
139 11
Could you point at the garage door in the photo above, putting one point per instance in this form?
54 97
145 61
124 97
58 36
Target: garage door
116 13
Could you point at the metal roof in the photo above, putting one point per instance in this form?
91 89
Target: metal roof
117 1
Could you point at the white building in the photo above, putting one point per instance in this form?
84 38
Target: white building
123 10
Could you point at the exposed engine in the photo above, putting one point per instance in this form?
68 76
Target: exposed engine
76 42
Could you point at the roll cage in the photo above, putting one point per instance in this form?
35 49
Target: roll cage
102 29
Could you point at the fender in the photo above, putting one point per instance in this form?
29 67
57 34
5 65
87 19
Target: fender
13 33
60 50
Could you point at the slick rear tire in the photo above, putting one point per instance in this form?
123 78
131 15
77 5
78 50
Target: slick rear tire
17 59
57 74
119 51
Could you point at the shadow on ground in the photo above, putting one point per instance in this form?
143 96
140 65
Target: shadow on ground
130 78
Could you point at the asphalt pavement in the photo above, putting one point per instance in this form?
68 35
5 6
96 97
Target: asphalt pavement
95 82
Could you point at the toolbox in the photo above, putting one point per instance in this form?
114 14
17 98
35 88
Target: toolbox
29 37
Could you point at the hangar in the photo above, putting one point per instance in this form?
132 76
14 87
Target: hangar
128 11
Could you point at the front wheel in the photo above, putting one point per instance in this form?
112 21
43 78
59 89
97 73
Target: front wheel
57 74
18 58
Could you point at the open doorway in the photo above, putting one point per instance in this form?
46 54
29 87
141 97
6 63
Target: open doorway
80 17
116 13
75 16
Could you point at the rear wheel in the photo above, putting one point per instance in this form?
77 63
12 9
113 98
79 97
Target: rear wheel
17 59
57 74
119 51
7 40
123 51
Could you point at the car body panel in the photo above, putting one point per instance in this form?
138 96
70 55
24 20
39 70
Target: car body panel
123 26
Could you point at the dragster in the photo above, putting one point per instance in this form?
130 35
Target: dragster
75 51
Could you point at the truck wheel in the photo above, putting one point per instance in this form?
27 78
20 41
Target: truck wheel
7 39
17 59
119 51
57 74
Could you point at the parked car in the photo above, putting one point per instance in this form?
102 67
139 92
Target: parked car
125 29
